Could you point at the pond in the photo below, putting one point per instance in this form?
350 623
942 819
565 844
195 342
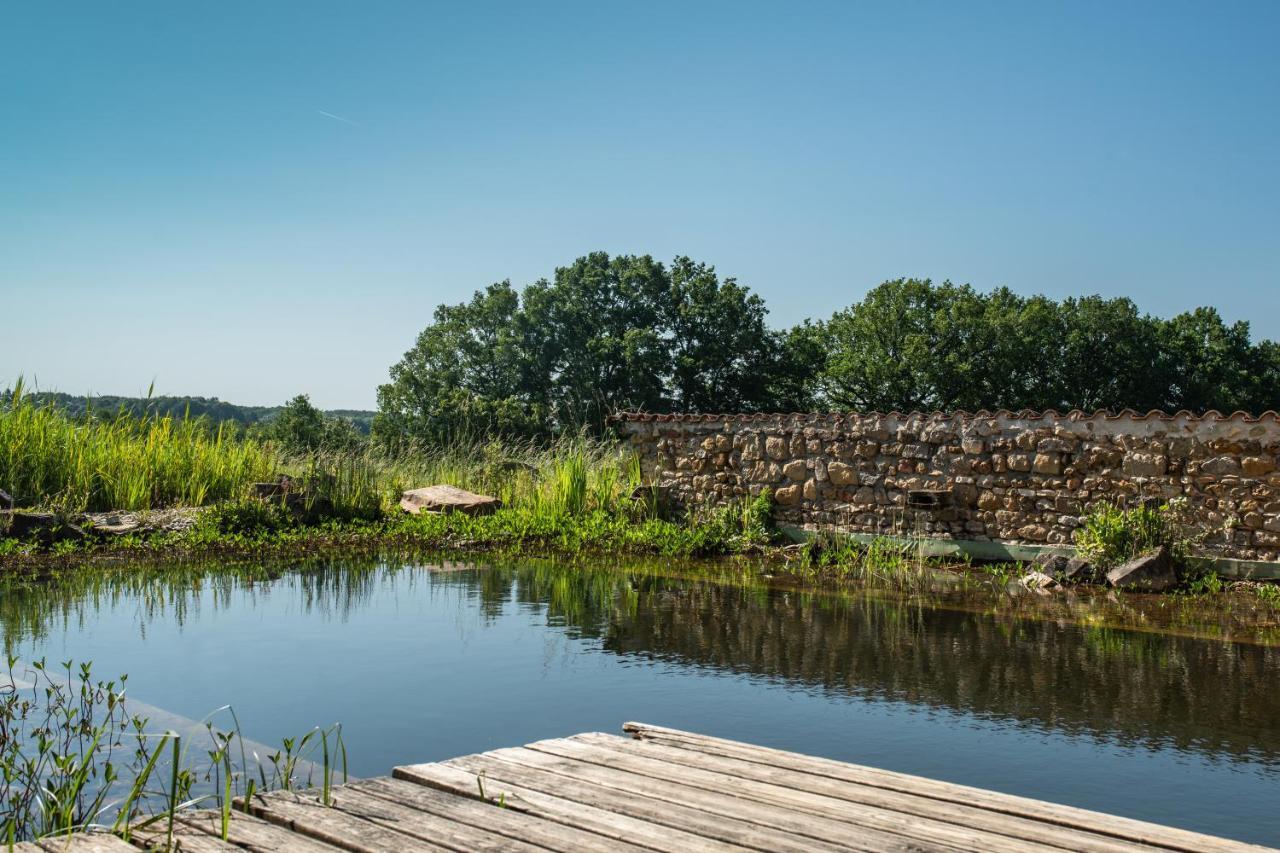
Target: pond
423 661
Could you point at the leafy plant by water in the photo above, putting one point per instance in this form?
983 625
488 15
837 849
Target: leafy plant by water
73 757
891 561
1112 534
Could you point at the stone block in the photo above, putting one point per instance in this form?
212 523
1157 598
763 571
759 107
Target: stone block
1141 464
1258 466
1018 462
841 474
1220 466
1152 572
787 495
1033 532
445 499
1047 463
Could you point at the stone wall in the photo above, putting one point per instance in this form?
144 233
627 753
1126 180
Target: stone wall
1013 477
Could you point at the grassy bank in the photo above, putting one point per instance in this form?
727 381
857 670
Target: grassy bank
52 461
572 495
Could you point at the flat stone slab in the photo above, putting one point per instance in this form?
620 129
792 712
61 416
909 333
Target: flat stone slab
440 499
118 523
1152 572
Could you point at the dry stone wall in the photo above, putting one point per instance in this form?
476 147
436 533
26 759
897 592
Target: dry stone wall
1013 477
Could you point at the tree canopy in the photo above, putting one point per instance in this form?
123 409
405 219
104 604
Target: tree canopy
299 427
627 332
604 334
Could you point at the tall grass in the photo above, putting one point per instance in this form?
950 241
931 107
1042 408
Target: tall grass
120 462
571 477
566 493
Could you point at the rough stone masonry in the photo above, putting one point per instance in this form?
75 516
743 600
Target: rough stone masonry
1022 477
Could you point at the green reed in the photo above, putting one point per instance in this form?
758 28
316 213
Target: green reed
74 758
120 462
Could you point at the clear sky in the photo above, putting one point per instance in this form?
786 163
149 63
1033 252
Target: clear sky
250 200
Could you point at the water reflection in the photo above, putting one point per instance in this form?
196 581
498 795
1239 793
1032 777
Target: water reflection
1134 687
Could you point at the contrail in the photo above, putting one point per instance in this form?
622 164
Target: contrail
338 118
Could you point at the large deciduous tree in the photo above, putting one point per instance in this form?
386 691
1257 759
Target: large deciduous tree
468 374
605 334
627 332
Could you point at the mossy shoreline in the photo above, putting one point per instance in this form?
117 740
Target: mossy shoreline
739 538
250 529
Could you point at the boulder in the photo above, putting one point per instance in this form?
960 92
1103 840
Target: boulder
114 523
1152 572
1052 565
1037 582
1066 569
441 499
44 527
277 488
110 524
1078 570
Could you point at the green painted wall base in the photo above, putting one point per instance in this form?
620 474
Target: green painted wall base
1010 552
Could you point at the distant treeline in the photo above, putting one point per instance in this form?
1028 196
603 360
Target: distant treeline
630 333
215 410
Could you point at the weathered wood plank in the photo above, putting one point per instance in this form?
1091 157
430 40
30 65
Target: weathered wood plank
834 817
84 842
504 821
186 838
601 812
713 815
665 790
910 804
246 831
424 826
1124 828
305 815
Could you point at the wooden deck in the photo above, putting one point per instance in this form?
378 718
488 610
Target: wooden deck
660 789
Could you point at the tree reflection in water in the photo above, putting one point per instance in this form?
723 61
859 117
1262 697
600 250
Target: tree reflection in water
1080 666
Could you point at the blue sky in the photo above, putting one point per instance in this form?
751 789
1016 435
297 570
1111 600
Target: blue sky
252 200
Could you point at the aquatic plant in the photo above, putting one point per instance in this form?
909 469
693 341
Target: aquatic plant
897 562
73 757
1205 583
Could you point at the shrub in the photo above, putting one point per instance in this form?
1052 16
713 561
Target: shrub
246 517
1112 535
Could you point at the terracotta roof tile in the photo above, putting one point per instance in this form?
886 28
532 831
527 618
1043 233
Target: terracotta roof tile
1025 414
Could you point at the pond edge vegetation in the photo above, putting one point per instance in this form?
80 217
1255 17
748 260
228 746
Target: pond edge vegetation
576 495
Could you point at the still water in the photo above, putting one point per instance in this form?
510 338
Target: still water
422 662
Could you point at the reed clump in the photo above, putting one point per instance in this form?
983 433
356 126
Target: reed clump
120 462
